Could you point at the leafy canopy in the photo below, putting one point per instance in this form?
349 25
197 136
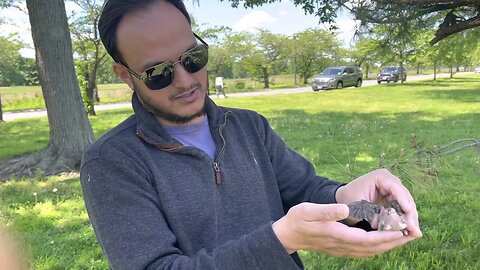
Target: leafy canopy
450 16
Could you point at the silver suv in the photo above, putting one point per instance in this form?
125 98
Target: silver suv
392 74
338 77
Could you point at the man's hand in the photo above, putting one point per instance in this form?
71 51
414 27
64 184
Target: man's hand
313 227
379 187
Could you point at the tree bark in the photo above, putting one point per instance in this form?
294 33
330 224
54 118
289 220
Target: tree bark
448 30
70 130
90 77
266 84
305 78
1 112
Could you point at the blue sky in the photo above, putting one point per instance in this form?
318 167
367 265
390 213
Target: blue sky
280 17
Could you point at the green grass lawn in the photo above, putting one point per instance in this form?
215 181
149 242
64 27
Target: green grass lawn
18 98
344 133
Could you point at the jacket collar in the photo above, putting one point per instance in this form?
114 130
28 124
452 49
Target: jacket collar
149 129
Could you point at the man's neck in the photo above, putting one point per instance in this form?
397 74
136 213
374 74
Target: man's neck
165 122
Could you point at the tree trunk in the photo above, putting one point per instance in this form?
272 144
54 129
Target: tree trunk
96 97
401 66
367 68
91 85
434 70
1 112
70 130
451 72
418 69
266 84
305 77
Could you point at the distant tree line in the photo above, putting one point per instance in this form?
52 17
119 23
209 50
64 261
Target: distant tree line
263 54
14 68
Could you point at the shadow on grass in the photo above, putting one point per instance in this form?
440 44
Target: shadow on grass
463 95
435 89
442 82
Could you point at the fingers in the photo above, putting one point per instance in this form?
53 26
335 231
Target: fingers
391 188
359 237
323 212
372 250
354 242
375 242
413 226
312 226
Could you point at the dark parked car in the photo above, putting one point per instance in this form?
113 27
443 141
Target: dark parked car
392 74
338 77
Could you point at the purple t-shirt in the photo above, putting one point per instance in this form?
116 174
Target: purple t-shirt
197 135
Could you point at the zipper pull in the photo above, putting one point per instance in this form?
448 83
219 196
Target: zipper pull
218 177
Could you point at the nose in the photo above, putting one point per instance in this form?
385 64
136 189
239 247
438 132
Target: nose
182 78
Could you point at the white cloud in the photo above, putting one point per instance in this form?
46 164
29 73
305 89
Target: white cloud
254 20
282 13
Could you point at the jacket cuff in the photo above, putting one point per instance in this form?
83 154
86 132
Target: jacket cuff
268 251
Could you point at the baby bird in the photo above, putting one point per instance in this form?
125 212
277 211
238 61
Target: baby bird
387 217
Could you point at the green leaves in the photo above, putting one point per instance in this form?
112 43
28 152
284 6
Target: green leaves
449 17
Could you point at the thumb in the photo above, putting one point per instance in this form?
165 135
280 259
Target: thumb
325 212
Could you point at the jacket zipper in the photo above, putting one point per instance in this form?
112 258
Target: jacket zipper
216 165
218 177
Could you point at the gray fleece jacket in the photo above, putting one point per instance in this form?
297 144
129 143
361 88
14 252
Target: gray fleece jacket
156 204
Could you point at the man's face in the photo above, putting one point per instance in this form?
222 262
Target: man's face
156 34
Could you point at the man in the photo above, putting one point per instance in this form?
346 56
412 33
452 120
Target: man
185 184
219 87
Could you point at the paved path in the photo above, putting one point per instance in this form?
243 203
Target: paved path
10 116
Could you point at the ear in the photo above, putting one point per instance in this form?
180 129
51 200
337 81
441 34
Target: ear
123 74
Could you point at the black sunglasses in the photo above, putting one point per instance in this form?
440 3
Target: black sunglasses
161 75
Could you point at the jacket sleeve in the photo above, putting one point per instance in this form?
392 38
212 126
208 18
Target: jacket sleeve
296 176
126 214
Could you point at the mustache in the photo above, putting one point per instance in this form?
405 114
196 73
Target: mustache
194 86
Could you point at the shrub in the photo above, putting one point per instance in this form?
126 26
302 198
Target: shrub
240 85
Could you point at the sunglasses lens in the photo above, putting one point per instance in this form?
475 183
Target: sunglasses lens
159 77
196 59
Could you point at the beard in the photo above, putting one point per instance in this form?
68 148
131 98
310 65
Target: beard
156 110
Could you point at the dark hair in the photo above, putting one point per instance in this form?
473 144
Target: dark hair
113 12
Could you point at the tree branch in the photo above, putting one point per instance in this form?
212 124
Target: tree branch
448 30
431 2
